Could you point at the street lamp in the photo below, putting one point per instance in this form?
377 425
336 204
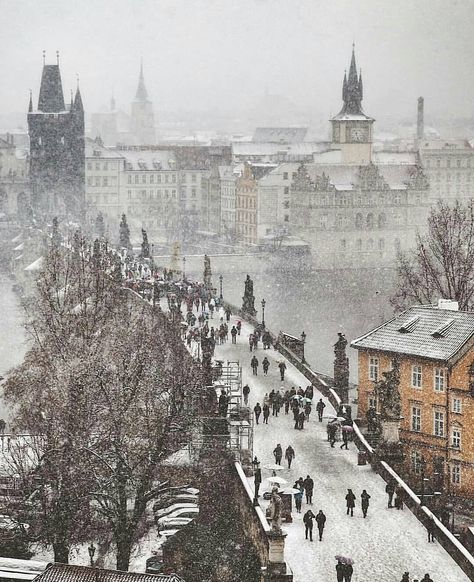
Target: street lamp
91 550
303 340
423 466
263 312
221 278
184 268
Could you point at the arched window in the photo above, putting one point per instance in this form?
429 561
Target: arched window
370 244
382 222
370 220
381 244
340 221
359 222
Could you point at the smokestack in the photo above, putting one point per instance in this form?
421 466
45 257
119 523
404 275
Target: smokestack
420 122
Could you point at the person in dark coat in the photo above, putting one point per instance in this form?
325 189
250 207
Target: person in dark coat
308 524
345 439
251 341
348 571
307 410
399 496
350 502
254 364
257 411
430 527
233 333
282 367
223 403
320 406
265 365
301 419
390 490
332 430
426 578
340 571
246 392
266 413
405 577
289 455
308 485
364 501
321 521
278 454
298 501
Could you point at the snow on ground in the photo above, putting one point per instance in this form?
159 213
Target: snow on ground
385 544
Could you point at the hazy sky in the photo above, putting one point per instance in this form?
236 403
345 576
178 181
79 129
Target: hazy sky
221 54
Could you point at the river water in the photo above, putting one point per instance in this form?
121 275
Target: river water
319 303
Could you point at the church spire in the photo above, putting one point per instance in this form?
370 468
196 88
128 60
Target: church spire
352 89
30 105
142 94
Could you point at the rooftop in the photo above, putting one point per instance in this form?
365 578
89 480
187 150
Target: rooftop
424 331
280 134
68 573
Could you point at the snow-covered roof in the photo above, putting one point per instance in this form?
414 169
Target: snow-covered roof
96 150
351 117
422 331
73 573
280 134
383 157
35 265
151 160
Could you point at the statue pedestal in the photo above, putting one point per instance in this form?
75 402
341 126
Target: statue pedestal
248 305
390 448
277 570
390 430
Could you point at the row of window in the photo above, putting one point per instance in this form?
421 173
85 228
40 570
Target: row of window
152 178
98 181
343 222
384 199
439 177
151 194
248 217
369 244
439 375
450 163
245 202
101 166
439 425
417 463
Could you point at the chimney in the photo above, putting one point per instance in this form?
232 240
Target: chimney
420 121
448 304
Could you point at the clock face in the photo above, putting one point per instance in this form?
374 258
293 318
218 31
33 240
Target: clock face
358 134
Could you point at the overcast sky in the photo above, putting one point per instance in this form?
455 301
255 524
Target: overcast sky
222 54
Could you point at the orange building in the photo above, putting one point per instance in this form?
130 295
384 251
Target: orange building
435 349
246 206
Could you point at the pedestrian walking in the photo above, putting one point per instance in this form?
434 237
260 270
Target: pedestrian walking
399 496
364 502
246 392
228 313
289 455
405 577
307 411
350 502
332 430
233 333
282 367
321 521
308 524
348 571
308 484
390 490
345 439
298 501
278 454
265 365
286 401
223 403
251 341
266 413
320 406
426 578
239 327
257 411
430 527
340 571
301 419
254 364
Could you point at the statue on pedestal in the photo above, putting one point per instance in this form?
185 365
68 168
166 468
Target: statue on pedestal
388 397
145 245
276 506
341 368
207 272
248 300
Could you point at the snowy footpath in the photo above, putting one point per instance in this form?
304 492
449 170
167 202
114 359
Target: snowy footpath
385 544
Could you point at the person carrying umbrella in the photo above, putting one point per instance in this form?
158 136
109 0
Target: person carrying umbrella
290 455
348 570
320 406
308 524
278 454
364 496
339 570
350 502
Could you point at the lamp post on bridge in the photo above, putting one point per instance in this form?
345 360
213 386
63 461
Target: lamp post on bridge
303 341
221 296
184 268
91 550
263 312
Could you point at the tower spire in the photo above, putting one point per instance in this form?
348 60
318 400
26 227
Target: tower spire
141 94
352 90
30 105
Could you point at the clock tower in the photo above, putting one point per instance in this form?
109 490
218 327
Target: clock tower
351 127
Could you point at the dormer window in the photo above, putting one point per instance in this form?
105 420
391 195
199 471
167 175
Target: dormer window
442 330
409 325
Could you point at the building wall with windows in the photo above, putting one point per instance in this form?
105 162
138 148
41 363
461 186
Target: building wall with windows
437 396
449 165
246 207
228 193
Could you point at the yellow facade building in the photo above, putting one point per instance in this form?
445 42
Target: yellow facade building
435 349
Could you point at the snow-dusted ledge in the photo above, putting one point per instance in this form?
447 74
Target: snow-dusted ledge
258 510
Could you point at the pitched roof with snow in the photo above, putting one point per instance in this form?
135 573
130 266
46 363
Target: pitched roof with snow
280 134
422 331
69 573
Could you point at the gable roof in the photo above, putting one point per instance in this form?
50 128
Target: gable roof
70 573
422 331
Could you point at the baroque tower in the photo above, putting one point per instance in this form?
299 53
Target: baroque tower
351 127
57 157
142 120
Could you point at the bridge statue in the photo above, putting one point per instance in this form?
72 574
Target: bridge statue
276 506
388 394
341 368
248 300
207 272
145 245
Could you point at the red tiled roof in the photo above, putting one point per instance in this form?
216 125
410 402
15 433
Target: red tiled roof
70 573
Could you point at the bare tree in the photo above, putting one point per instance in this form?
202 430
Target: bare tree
442 263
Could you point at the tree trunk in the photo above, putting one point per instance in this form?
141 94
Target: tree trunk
124 548
61 552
